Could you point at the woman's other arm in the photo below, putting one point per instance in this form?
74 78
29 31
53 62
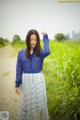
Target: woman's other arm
18 73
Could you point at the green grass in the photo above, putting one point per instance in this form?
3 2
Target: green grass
3 44
17 46
62 74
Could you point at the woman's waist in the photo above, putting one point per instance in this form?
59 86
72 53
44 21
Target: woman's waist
31 71
32 75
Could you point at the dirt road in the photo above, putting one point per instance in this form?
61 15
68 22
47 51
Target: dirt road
8 98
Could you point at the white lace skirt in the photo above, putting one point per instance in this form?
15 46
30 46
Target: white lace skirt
33 101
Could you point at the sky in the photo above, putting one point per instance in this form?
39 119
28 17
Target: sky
51 16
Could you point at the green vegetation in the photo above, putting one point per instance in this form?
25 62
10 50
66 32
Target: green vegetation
18 45
61 37
62 74
3 42
16 38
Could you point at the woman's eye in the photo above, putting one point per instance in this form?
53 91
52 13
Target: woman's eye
33 40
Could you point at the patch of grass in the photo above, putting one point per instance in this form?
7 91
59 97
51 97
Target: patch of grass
62 74
6 73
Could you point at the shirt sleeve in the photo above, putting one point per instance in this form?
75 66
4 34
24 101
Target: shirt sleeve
46 50
19 71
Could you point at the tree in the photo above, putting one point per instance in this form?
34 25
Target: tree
2 42
6 40
59 37
16 38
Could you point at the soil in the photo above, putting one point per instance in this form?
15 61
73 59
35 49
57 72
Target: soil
9 100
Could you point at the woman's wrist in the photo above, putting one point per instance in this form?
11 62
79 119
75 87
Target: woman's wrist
17 88
45 36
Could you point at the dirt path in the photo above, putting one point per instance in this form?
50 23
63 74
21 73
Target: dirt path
8 98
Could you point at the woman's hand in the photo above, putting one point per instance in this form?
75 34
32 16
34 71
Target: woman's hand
43 33
17 90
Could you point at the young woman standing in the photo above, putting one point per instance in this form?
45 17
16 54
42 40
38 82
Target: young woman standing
30 83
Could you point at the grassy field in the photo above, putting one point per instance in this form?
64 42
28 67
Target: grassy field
62 74
62 71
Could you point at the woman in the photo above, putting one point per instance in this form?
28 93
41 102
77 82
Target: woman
30 81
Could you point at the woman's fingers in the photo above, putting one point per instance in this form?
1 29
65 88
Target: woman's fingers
43 33
17 90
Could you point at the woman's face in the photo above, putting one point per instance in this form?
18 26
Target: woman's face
33 41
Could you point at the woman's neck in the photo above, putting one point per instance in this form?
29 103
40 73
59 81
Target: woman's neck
31 51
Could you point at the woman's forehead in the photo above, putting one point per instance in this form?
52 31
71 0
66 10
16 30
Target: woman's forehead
33 36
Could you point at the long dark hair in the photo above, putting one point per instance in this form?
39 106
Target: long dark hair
38 47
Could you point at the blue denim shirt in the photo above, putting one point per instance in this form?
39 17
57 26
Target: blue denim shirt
31 65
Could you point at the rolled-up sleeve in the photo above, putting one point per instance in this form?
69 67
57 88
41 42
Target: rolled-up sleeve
19 71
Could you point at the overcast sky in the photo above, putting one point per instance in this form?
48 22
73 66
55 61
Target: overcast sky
19 16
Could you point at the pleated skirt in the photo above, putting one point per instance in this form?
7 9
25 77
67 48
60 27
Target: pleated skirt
33 100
